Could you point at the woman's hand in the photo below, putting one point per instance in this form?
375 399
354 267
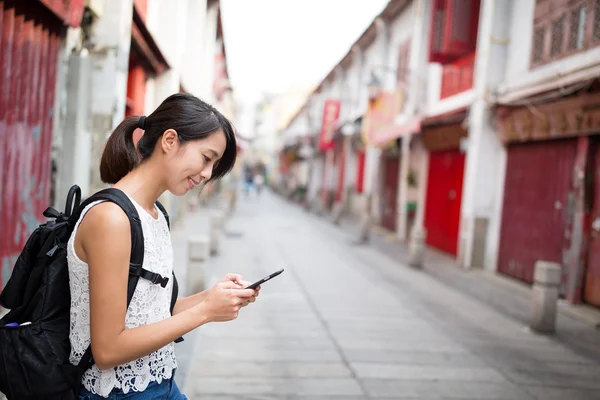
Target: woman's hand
241 283
256 292
224 300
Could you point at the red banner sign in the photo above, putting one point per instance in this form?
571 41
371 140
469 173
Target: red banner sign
331 113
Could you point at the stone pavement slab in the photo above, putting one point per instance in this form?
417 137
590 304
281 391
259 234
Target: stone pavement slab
348 322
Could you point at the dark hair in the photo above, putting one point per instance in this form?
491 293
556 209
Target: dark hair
190 117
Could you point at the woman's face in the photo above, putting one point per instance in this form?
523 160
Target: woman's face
192 163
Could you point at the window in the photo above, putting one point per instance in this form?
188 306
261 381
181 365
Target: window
454 26
538 44
596 19
558 29
403 64
564 27
577 29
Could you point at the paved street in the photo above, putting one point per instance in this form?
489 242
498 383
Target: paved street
347 322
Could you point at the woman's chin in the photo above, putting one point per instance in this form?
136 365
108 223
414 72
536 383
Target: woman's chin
179 191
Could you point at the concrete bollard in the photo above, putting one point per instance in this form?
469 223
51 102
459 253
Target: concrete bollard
198 255
416 250
546 277
216 227
338 212
364 228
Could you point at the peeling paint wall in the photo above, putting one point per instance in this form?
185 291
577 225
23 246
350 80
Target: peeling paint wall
29 46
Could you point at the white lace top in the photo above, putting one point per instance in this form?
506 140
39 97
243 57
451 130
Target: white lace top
150 303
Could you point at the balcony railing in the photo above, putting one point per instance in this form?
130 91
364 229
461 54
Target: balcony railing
457 77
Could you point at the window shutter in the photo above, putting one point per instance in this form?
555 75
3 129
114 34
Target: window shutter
438 19
403 63
460 27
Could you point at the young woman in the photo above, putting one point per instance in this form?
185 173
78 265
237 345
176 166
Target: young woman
185 142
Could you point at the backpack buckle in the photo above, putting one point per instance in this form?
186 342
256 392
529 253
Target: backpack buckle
157 279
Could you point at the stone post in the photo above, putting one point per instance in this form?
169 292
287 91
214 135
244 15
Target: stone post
338 212
366 219
216 227
544 296
198 254
416 252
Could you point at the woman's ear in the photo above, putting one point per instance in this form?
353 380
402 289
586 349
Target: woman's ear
169 141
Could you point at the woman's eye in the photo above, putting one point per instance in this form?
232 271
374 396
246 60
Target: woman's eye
206 159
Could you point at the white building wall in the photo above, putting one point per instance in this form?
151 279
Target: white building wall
486 158
400 30
206 69
194 39
186 34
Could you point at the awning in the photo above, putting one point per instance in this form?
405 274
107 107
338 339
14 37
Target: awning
450 117
392 132
69 11
143 42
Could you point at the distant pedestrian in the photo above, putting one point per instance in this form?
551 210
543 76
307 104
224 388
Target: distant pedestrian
259 181
185 142
248 178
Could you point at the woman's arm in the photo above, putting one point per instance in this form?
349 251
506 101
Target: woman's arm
184 303
104 242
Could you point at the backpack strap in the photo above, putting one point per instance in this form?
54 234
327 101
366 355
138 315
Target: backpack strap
175 291
164 212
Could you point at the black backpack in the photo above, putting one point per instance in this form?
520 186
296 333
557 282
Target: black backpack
34 357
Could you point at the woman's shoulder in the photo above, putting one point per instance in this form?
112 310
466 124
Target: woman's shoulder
105 219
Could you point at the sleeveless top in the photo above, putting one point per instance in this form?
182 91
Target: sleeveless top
150 303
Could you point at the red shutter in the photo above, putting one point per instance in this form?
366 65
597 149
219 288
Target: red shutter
360 174
438 19
460 27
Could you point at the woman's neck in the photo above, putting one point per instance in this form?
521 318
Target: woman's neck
143 184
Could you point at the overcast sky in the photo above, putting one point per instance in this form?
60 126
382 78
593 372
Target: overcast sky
277 45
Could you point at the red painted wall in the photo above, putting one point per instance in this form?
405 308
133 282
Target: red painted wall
28 56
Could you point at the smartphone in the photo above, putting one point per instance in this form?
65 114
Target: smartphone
263 280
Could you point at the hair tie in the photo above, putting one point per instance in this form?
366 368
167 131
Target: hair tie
142 122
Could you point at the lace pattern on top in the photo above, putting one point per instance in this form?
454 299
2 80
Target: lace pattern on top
150 303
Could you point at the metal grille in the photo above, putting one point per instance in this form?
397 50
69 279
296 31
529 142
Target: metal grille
596 20
558 28
577 28
538 44
563 28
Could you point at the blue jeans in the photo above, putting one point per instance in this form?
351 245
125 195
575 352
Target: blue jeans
166 390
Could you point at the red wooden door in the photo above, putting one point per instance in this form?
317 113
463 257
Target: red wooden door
340 158
390 192
534 213
591 289
444 194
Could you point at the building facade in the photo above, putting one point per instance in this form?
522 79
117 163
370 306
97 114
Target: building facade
72 71
478 126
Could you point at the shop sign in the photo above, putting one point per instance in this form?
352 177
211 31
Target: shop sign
564 118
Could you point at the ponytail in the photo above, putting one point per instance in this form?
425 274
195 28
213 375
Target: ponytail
120 155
